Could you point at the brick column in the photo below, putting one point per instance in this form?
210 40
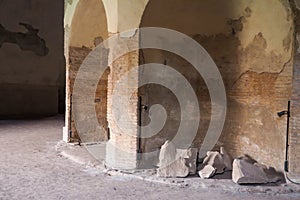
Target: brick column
294 154
121 151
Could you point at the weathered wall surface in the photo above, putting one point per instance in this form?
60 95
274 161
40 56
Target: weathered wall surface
32 71
294 158
88 29
122 146
88 24
252 44
77 55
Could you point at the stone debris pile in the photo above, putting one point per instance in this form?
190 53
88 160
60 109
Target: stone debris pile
215 163
174 162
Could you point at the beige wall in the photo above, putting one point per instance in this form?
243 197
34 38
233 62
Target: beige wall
89 22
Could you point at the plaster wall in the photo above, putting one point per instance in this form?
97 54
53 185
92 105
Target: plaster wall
32 72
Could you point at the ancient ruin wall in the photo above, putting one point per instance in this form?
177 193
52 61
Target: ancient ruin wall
252 44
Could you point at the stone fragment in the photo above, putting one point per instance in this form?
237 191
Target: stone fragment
190 156
169 165
167 154
207 172
177 168
215 159
226 158
248 171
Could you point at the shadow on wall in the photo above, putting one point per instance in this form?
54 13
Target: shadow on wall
29 41
221 43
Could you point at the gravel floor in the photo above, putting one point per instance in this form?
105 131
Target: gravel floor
31 168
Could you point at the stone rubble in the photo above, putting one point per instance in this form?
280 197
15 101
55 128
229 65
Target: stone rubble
207 172
215 163
226 158
179 163
248 171
176 162
190 156
167 154
215 160
177 169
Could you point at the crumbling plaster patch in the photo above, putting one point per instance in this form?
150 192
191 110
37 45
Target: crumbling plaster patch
270 32
274 25
28 41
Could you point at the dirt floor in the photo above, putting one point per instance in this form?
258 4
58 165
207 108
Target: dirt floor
32 168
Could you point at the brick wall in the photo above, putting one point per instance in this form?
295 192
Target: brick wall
294 150
77 55
121 149
255 60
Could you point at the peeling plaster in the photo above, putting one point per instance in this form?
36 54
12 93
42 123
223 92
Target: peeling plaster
29 41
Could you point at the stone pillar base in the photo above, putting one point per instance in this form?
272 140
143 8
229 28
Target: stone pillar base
117 158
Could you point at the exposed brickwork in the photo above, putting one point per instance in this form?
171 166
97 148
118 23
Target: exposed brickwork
122 146
77 55
294 150
252 126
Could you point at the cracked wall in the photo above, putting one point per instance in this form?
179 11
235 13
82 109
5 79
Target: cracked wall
252 44
32 72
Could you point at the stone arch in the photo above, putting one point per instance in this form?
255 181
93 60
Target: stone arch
86 27
89 24
253 50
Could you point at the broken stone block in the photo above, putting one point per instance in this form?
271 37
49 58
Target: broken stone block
190 156
227 159
175 163
207 172
248 171
177 168
215 159
167 154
